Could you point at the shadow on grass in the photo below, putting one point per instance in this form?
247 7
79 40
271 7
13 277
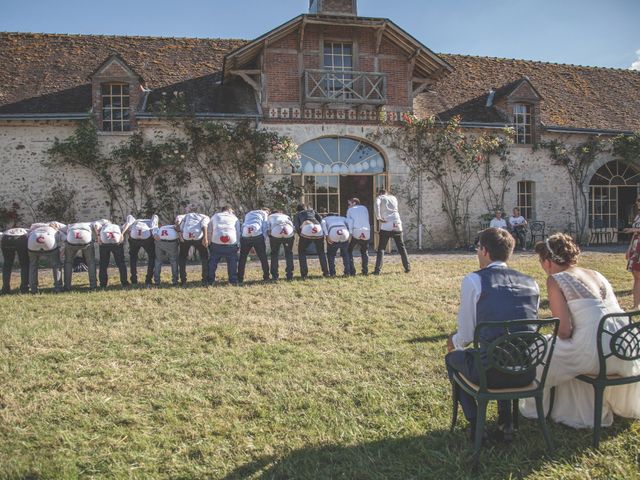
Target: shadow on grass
430 339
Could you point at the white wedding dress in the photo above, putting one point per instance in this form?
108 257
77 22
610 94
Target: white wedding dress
574 400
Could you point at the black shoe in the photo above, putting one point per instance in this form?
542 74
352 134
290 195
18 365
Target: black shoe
407 270
376 272
134 281
505 432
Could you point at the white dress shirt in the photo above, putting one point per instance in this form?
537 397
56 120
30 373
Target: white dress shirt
165 233
280 225
335 228
515 221
192 225
142 228
498 223
16 232
387 213
80 233
225 229
255 224
358 222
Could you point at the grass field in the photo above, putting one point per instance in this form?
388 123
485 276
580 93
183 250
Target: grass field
317 379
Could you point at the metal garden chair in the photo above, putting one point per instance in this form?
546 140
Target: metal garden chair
520 350
623 344
537 231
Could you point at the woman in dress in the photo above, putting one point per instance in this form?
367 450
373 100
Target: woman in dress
579 298
633 255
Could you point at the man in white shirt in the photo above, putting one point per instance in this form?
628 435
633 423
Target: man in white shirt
498 221
193 232
386 209
281 233
45 241
360 228
166 245
110 238
224 243
80 238
337 234
253 234
495 293
518 225
14 244
141 237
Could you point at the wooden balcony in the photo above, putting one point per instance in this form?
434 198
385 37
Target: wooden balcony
334 86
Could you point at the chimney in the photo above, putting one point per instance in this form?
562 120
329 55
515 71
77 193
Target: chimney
334 7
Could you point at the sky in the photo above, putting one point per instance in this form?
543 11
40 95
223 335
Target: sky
603 33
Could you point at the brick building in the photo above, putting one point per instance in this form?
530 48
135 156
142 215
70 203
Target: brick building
326 78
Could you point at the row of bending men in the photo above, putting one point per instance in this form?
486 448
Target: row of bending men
221 236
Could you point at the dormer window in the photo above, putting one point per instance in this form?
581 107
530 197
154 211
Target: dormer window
115 107
522 123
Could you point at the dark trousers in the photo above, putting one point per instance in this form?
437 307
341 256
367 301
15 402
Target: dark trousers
332 250
182 259
462 361
118 255
148 245
364 255
257 243
382 244
287 243
230 254
303 244
520 237
13 247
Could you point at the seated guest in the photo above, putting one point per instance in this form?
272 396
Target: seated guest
141 236
80 239
166 250
281 233
254 232
518 226
308 224
193 232
111 241
498 221
360 228
580 298
225 237
495 293
45 241
14 244
337 234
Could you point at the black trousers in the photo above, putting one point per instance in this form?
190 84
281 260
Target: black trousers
287 243
382 244
13 247
148 246
182 259
364 255
303 244
257 243
118 255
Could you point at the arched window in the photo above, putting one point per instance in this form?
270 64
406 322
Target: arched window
612 192
339 155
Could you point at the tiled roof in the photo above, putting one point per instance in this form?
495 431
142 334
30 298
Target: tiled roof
572 96
48 73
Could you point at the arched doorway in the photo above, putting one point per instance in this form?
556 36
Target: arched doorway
334 169
612 193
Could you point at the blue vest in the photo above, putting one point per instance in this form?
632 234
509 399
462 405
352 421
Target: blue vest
506 295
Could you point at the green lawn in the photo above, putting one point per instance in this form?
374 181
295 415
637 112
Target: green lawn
326 378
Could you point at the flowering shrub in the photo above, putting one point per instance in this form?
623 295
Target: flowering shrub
10 216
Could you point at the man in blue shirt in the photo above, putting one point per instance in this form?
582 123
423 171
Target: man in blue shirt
495 293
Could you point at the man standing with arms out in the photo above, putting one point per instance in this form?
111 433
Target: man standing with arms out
111 241
166 243
498 221
80 239
44 241
335 229
254 232
390 227
281 232
225 237
308 224
360 228
495 293
141 236
193 232
14 243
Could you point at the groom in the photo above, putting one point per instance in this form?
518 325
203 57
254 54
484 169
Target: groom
495 293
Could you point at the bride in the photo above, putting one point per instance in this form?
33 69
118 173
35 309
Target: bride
579 298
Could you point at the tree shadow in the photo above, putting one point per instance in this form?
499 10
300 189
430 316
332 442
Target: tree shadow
437 454
430 339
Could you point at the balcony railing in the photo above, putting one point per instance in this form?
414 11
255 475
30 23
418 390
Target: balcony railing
335 86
